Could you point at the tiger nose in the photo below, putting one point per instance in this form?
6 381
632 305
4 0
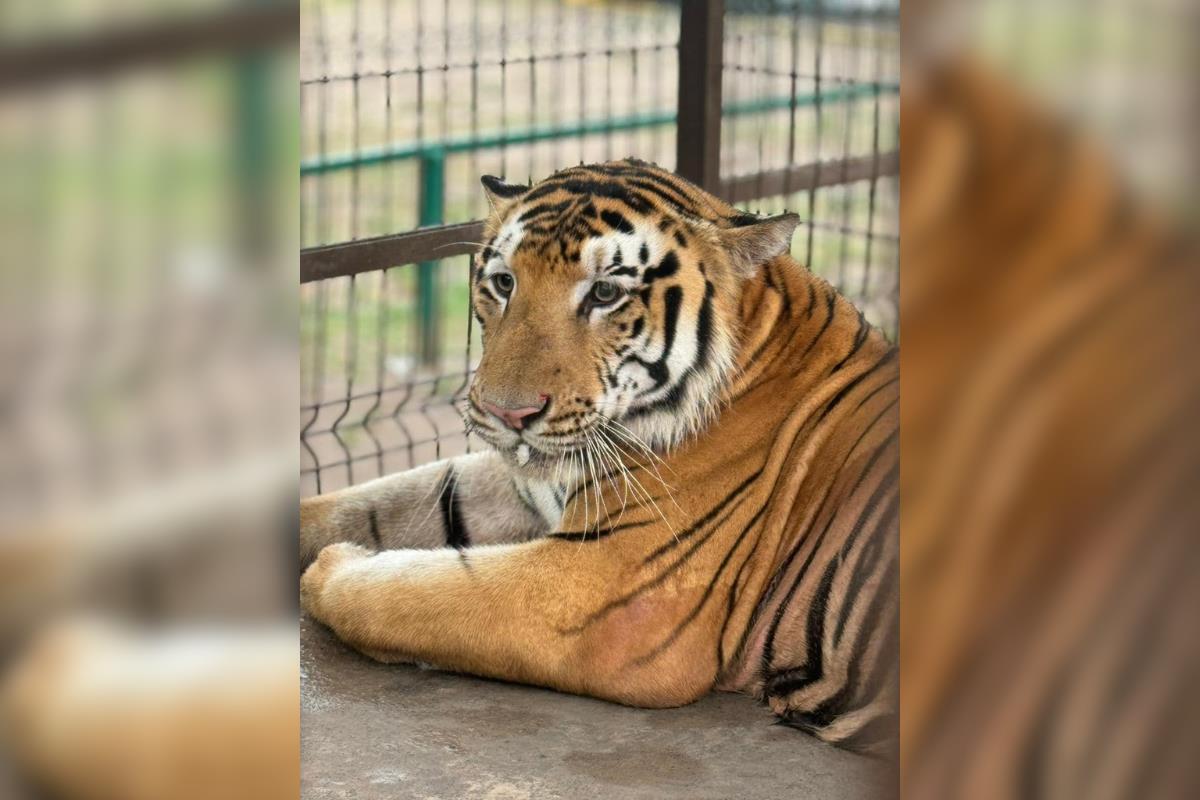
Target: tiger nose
517 418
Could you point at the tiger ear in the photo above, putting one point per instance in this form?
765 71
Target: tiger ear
753 241
501 196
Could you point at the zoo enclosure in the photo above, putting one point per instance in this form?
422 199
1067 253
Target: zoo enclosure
405 104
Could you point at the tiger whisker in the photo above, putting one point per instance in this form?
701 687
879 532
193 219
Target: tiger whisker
595 483
650 499
620 465
451 244
666 487
433 507
649 465
631 486
591 470
639 442
607 458
577 461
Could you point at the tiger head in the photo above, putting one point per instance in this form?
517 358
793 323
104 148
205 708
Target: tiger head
608 300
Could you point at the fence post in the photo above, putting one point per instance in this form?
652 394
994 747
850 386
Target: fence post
698 131
433 209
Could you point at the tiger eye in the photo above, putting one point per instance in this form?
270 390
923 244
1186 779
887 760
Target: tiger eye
605 292
503 282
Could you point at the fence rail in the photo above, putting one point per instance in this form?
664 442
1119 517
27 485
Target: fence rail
444 241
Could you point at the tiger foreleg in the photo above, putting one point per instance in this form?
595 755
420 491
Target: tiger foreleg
458 502
538 612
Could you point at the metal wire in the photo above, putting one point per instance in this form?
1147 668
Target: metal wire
375 75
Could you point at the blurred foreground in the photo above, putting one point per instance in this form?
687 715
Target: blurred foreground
147 342
1050 436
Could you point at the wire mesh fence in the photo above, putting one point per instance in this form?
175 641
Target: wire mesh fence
405 103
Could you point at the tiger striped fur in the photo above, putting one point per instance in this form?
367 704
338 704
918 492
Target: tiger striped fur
1050 457
695 488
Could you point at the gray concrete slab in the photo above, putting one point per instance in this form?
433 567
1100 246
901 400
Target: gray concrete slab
377 731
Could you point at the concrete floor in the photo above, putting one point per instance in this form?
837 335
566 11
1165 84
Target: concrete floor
377 731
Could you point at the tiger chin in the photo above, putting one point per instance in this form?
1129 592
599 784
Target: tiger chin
692 480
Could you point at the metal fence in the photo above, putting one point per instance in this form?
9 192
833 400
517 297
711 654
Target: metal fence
139 211
405 103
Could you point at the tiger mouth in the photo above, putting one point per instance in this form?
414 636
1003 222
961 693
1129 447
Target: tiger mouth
546 447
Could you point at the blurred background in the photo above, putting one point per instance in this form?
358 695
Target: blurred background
148 208
404 104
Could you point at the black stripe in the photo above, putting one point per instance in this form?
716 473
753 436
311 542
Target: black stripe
703 331
598 533
859 338
886 665
544 208
868 559
616 220
833 402
571 184
452 518
525 499
782 288
839 702
676 394
680 538
814 634
895 378
672 300
830 300
665 269
768 340
375 537
671 192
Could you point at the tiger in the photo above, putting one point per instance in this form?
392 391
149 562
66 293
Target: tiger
692 475
1048 561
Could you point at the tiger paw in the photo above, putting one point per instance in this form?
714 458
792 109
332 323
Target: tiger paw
316 578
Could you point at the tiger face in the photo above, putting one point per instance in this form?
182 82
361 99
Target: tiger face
608 301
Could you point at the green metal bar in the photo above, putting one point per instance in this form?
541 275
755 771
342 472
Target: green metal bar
463 144
433 212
